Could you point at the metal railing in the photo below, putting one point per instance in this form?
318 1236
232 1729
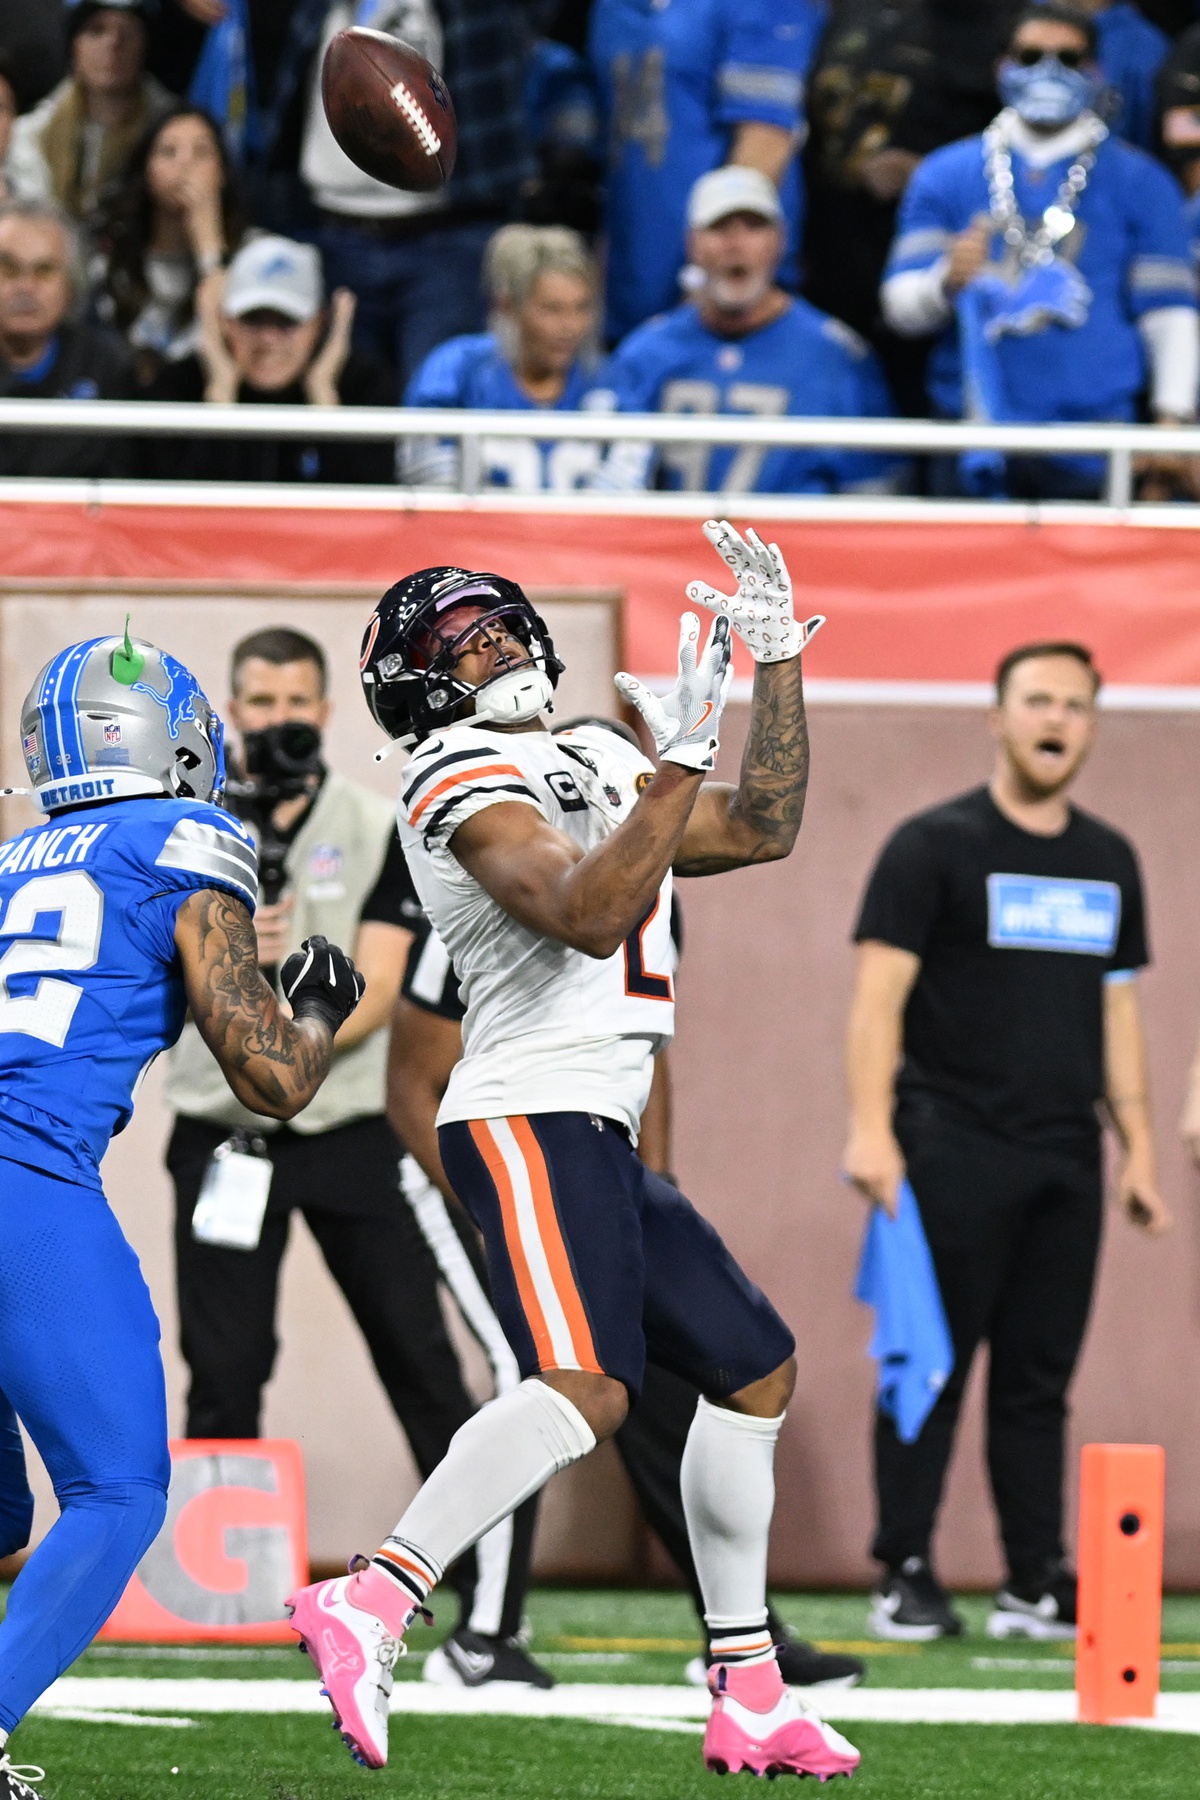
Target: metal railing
1118 444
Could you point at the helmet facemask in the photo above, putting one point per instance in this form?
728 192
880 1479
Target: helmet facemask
517 690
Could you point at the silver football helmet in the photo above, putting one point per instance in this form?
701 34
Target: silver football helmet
114 717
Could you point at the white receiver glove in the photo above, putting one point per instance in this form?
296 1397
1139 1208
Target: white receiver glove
684 722
761 610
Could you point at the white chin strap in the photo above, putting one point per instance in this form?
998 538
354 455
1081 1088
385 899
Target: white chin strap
515 697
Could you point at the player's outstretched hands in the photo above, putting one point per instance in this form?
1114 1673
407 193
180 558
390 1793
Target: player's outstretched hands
761 611
319 981
684 722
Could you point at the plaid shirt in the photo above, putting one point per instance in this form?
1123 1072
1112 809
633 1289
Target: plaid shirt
486 48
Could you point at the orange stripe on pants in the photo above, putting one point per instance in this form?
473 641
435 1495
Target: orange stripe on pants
550 1232
497 1168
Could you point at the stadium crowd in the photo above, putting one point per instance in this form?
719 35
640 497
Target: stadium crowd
764 207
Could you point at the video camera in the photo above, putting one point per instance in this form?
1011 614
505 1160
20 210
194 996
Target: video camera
279 762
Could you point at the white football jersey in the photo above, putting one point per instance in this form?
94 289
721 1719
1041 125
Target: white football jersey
547 1029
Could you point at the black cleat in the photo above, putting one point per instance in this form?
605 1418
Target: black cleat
1044 1609
911 1606
803 1665
469 1659
15 1779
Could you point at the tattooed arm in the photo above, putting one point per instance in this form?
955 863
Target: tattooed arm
759 819
273 1064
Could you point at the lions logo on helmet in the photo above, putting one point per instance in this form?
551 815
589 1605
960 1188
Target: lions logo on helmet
409 663
114 717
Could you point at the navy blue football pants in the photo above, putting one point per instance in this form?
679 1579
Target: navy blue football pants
80 1366
596 1263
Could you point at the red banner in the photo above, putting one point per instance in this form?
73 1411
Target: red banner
908 600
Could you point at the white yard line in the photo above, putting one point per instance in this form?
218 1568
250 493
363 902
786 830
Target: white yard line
617 1703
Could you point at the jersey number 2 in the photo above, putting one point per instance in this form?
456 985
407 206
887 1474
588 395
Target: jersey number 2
638 978
48 1011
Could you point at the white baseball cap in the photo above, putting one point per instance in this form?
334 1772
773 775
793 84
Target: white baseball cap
277 273
732 189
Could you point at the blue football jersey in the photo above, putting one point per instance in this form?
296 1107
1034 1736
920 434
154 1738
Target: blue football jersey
473 372
1130 245
676 77
91 987
804 363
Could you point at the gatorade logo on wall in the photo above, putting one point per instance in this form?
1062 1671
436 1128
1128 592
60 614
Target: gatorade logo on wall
232 1548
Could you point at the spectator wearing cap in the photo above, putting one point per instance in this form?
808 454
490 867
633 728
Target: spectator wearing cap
744 345
684 89
266 336
540 353
45 353
1052 259
79 137
169 223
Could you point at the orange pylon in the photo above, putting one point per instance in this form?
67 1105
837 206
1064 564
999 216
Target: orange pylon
1120 1581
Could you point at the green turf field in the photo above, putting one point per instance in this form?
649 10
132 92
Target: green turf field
510 1759
602 1635
626 1638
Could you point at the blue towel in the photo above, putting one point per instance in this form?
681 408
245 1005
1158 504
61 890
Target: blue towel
912 1340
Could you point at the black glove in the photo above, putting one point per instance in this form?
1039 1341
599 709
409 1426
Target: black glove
320 982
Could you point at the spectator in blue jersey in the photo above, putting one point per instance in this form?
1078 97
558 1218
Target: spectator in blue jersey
1052 259
1130 51
685 87
744 345
543 289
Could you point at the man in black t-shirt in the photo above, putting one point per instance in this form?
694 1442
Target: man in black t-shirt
995 1009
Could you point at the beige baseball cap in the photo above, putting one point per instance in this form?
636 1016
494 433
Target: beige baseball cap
732 189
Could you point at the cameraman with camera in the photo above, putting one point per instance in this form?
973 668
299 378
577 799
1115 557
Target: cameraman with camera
327 865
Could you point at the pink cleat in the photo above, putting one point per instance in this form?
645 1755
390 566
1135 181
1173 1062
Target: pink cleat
352 1628
759 1725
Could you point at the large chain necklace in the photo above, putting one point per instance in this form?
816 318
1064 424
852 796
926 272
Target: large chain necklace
1036 246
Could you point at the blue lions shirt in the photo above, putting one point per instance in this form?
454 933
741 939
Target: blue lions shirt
1130 245
804 363
676 78
473 372
1017 935
91 988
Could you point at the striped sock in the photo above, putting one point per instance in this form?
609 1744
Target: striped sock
409 1567
741 1646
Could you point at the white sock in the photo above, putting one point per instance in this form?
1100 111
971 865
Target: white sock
505 1452
728 1486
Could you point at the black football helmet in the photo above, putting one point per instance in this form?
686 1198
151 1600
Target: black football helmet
408 664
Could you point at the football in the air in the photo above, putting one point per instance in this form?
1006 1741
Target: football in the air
389 109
